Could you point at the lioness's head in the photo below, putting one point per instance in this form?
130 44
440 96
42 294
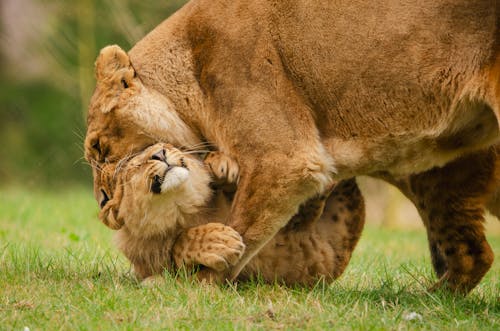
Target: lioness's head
152 192
125 116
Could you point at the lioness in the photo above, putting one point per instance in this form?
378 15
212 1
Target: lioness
304 93
160 202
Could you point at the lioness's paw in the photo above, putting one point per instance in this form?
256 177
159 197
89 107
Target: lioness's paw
224 169
213 245
152 281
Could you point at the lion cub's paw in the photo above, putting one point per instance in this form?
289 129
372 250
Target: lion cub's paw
213 245
224 169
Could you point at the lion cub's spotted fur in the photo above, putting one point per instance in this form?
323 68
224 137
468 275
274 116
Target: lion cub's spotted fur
163 219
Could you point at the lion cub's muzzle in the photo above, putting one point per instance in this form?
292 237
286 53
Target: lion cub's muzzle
158 180
160 156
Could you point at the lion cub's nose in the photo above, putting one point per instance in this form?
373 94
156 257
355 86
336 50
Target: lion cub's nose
160 156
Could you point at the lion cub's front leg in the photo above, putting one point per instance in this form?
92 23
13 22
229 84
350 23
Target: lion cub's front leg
213 245
225 171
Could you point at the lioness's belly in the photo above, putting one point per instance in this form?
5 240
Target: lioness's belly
413 150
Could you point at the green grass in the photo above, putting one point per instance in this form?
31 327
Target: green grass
59 270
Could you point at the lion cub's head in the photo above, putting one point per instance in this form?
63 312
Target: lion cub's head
125 116
154 192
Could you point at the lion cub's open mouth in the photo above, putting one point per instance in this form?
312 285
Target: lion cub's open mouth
168 176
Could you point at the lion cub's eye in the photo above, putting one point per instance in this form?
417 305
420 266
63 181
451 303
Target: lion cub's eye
124 83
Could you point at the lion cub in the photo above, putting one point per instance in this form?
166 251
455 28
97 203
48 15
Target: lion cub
155 197
161 202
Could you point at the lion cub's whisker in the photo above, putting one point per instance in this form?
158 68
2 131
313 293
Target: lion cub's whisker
201 151
199 145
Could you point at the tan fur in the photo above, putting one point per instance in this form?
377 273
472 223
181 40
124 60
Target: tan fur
301 94
149 221
155 229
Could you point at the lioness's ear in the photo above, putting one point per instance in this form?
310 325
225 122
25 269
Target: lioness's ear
113 70
111 59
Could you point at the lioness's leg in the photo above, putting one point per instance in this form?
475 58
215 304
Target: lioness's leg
270 194
437 257
269 129
493 205
318 240
451 202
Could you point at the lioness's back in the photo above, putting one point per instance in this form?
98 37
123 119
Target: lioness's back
361 60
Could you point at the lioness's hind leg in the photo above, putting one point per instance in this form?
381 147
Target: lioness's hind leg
451 202
493 204
437 257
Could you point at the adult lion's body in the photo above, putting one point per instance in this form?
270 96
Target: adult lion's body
388 86
302 93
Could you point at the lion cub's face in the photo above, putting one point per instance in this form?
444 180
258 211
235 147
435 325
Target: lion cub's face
154 192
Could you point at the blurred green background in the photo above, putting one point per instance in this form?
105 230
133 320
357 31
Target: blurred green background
48 49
